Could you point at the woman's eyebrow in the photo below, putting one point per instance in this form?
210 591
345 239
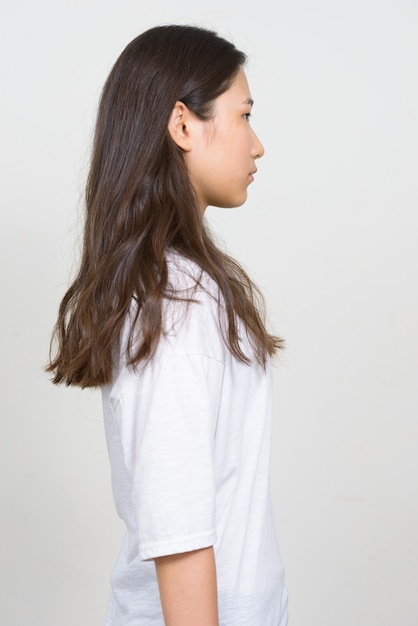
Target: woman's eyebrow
249 101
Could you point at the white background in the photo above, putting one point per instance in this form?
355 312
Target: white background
330 234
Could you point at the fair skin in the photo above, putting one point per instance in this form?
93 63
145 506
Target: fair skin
220 155
187 585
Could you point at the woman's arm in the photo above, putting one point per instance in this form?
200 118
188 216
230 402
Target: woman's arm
188 592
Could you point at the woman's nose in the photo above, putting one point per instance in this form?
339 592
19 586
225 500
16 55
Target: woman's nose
258 149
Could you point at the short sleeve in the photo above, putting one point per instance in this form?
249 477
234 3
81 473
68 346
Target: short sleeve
167 421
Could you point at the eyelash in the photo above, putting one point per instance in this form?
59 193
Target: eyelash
247 116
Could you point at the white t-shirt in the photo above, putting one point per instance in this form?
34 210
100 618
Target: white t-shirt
189 445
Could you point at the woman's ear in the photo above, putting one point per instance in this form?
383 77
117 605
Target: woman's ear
179 126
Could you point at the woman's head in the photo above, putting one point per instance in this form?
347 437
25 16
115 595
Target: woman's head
133 150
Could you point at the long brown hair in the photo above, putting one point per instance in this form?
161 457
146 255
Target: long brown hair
140 204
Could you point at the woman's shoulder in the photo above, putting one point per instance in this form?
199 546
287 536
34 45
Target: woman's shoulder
188 280
193 309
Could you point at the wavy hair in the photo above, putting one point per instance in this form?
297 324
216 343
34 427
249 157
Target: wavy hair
140 204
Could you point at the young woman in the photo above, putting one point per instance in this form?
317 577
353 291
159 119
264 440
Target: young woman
172 330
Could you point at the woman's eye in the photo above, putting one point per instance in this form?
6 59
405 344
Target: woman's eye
247 116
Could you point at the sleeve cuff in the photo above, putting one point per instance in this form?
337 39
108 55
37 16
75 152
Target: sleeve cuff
177 545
